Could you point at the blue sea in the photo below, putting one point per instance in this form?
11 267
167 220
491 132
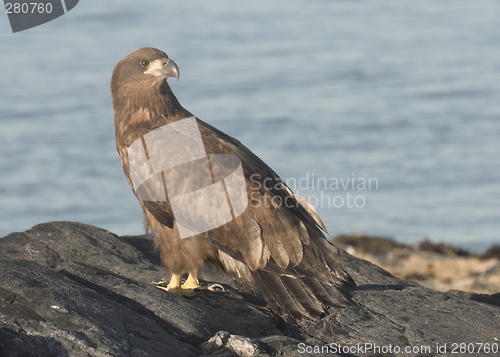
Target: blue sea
385 114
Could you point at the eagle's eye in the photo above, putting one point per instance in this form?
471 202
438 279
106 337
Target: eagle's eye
144 63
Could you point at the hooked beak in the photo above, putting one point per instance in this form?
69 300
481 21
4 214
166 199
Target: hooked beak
170 69
164 67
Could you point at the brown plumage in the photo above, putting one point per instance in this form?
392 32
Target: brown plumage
276 244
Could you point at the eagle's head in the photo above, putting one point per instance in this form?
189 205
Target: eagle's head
139 80
145 64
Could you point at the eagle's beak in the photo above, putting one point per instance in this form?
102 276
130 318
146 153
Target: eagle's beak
170 69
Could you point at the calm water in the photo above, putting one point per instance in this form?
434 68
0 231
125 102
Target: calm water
404 95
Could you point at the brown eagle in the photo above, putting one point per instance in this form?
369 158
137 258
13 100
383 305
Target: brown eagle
209 199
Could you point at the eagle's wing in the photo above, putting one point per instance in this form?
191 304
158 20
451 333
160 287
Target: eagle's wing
278 236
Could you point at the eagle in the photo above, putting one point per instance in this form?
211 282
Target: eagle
208 199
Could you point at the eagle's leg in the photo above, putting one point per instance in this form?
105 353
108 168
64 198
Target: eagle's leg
174 287
192 281
174 283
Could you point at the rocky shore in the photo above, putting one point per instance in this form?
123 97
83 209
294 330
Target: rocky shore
434 265
69 289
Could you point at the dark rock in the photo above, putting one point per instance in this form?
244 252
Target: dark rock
364 243
443 249
492 252
69 289
493 299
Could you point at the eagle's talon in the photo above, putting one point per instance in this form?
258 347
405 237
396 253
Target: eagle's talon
159 284
216 288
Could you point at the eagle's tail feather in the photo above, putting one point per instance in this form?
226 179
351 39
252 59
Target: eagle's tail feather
276 294
326 293
298 296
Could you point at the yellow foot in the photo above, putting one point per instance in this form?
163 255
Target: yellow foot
175 287
177 290
191 282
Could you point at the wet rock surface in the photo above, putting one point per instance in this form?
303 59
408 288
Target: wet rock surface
70 289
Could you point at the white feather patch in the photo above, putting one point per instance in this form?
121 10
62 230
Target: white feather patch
156 67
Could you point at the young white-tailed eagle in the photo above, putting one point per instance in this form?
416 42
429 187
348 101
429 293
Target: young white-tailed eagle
208 199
